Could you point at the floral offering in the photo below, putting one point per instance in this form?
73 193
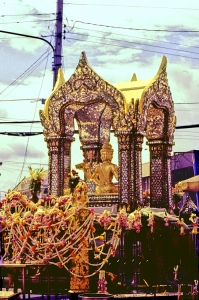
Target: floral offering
177 193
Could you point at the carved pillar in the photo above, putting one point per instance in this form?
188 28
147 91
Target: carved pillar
138 168
53 165
59 164
124 157
168 149
160 174
133 174
65 163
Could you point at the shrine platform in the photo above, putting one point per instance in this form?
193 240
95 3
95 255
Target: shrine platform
118 296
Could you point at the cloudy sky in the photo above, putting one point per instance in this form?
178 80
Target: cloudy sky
119 39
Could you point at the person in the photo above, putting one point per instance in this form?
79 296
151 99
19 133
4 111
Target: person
103 173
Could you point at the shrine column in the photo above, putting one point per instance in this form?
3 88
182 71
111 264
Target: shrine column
138 168
65 163
160 174
59 164
132 175
53 165
124 157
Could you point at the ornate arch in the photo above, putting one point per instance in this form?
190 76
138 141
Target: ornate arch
158 95
84 86
157 122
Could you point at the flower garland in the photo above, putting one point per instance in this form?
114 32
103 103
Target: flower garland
151 221
194 219
40 233
134 221
182 226
177 193
45 232
37 176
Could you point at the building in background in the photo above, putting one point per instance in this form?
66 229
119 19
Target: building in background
184 165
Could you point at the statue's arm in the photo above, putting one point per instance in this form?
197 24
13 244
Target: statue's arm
115 171
86 168
95 176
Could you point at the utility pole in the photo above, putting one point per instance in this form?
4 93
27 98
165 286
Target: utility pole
58 40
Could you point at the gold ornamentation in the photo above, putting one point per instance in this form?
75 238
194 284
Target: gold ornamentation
155 123
97 106
103 172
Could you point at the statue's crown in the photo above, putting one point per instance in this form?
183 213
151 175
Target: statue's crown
107 147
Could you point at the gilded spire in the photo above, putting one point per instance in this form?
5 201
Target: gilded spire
134 77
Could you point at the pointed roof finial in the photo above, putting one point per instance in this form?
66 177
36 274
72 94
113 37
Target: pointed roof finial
83 56
134 77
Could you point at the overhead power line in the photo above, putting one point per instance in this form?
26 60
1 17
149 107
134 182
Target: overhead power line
28 36
18 122
137 49
26 99
19 15
27 72
20 162
32 21
135 29
23 134
187 126
131 36
141 44
134 6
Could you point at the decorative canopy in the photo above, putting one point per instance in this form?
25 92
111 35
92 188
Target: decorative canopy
134 110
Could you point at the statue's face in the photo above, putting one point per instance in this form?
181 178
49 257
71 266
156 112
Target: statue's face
106 156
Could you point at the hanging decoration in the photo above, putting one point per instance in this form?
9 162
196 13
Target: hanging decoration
37 176
151 221
194 219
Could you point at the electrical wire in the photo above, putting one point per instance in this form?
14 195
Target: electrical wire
163 53
131 36
26 150
19 15
2 118
148 45
11 38
185 138
24 126
26 99
19 22
135 29
19 122
24 75
20 162
187 103
134 6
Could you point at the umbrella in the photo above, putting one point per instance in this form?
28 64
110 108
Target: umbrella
190 184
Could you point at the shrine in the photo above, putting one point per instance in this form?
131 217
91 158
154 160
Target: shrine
96 234
132 110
